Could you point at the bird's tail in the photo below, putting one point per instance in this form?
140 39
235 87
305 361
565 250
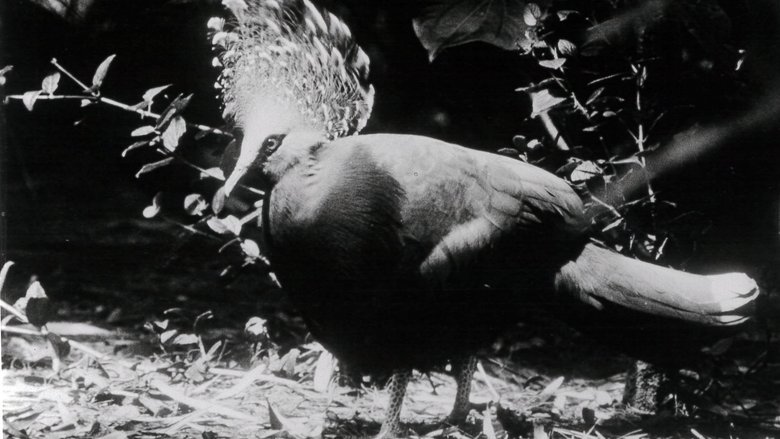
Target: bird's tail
600 278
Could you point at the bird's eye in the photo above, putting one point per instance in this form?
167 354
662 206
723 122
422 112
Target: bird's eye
272 142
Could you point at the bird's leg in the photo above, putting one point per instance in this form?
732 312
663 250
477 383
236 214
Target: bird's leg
464 371
396 391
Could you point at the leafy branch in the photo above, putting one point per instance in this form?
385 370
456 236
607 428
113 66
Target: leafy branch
164 135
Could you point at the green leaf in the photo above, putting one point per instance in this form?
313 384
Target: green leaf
3 71
566 47
551 389
224 225
595 95
174 109
100 73
173 133
217 225
565 14
38 309
142 131
443 24
153 209
218 200
585 171
250 248
29 98
215 173
185 339
531 14
150 94
237 7
149 167
50 83
134 146
216 23
543 101
554 64
195 204
256 327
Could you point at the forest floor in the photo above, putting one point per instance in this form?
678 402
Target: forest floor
162 352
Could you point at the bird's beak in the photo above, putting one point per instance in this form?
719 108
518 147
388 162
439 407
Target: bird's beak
234 177
246 157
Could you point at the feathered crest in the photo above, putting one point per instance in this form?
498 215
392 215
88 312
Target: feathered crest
287 56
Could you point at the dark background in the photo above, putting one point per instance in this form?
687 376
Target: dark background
72 207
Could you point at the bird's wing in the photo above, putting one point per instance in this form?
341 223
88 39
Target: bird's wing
465 202
390 195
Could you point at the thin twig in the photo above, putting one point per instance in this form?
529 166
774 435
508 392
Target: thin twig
14 311
44 97
73 344
131 108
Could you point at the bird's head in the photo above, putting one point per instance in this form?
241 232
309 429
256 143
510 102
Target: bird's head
291 74
275 142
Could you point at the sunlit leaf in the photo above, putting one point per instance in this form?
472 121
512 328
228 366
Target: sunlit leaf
35 290
216 23
595 95
173 133
565 14
566 47
323 372
554 64
150 94
218 200
142 131
195 204
100 73
215 173
29 98
185 339
217 225
233 224
166 336
256 326
3 71
531 14
250 248
237 7
152 166
174 109
585 171
488 431
551 388
50 83
543 101
134 146
152 210
613 224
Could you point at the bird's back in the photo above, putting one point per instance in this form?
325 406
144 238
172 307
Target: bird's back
399 236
